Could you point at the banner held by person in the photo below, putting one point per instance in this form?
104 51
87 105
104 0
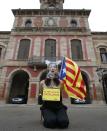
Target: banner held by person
71 76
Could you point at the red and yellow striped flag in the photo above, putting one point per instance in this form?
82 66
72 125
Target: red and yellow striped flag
70 74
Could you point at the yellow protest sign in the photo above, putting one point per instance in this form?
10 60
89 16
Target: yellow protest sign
51 94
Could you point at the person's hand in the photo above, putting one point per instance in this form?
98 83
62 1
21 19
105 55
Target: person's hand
40 101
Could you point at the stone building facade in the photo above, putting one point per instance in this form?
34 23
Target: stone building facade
49 33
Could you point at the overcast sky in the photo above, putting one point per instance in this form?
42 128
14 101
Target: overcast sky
97 18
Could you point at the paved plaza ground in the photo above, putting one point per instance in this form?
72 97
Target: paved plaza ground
91 117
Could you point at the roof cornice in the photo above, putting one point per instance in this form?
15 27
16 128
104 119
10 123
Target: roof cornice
5 32
82 12
98 33
41 1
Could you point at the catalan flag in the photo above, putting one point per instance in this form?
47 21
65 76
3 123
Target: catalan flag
70 74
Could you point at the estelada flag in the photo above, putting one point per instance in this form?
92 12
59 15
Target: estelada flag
71 76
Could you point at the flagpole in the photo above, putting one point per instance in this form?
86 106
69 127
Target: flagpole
61 64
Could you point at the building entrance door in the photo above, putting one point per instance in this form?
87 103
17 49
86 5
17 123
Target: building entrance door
19 86
87 99
86 81
105 87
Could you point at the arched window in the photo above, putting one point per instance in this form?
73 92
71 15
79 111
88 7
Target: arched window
103 54
73 23
23 51
50 49
76 50
51 6
28 23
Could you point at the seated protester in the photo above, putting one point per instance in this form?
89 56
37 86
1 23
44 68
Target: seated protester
54 112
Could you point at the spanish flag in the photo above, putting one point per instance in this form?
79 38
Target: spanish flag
70 74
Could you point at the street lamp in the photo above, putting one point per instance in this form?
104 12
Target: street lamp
102 72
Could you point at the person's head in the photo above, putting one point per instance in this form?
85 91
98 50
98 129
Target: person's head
52 67
53 71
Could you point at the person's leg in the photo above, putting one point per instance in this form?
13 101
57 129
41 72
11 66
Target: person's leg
49 118
62 118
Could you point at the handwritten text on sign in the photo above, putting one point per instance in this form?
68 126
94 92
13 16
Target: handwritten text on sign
51 94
